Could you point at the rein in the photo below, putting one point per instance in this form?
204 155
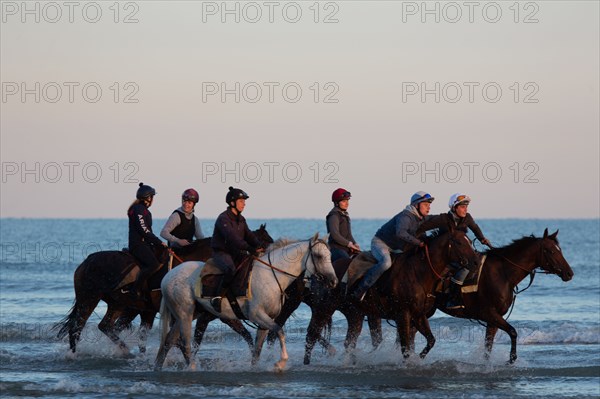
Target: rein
174 255
430 264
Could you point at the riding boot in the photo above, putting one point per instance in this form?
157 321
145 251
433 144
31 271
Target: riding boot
211 288
455 299
360 290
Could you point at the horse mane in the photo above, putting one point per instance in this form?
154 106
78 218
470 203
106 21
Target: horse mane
514 246
280 243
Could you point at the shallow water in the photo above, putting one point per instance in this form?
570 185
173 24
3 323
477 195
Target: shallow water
558 325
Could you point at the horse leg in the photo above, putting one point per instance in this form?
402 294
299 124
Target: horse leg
264 320
490 333
147 320
77 319
355 324
237 326
289 306
172 337
375 330
107 326
261 335
403 329
201 325
502 324
319 318
422 324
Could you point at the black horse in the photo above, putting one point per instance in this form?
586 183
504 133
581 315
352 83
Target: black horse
108 275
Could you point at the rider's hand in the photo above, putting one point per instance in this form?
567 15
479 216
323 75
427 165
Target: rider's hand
487 242
182 243
421 244
258 251
354 247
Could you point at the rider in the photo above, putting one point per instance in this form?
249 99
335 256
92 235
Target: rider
141 239
338 226
231 241
461 220
182 226
397 235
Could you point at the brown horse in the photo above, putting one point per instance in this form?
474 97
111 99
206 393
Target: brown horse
108 275
503 269
404 293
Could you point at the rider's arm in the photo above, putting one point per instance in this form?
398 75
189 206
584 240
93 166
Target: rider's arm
474 228
433 222
403 224
173 221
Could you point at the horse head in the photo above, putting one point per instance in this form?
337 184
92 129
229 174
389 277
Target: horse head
460 250
552 259
263 235
319 257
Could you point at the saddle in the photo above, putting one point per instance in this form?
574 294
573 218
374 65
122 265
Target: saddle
470 285
239 286
360 265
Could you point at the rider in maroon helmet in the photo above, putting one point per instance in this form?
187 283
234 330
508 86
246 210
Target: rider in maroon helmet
183 226
341 241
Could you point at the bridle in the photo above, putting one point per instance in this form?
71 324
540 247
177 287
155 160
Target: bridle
308 273
463 261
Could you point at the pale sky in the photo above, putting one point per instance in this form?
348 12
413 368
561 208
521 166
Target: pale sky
499 100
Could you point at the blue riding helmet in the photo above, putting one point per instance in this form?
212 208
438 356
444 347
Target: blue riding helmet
420 196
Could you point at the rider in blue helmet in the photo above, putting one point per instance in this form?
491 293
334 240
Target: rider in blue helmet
397 235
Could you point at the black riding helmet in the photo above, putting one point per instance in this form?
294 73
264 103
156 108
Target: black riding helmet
234 194
145 191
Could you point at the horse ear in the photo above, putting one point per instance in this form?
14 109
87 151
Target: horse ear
263 226
553 236
546 233
315 237
326 237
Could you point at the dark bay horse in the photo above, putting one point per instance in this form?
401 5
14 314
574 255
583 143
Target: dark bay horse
503 269
403 294
107 275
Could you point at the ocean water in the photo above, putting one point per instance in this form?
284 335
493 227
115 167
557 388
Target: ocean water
558 325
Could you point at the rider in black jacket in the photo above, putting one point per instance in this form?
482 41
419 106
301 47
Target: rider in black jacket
141 238
231 241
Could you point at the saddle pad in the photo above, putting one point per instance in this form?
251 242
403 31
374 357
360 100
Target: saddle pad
358 267
470 288
241 289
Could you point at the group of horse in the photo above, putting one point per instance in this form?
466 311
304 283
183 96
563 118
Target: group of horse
291 272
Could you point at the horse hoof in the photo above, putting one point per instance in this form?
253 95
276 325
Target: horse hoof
279 366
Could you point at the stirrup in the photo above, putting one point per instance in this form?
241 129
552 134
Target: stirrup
215 302
454 305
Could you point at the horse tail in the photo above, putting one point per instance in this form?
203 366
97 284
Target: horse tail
165 321
67 324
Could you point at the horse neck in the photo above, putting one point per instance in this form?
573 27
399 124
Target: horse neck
291 259
519 265
439 255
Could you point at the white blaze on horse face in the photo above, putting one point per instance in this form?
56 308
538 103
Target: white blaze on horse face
557 247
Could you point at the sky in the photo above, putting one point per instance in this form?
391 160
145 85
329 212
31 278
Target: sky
291 100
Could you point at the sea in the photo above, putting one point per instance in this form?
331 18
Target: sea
558 325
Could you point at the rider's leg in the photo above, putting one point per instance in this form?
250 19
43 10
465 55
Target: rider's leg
455 300
381 252
224 261
148 266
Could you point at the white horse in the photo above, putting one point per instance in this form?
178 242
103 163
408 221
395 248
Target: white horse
272 273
